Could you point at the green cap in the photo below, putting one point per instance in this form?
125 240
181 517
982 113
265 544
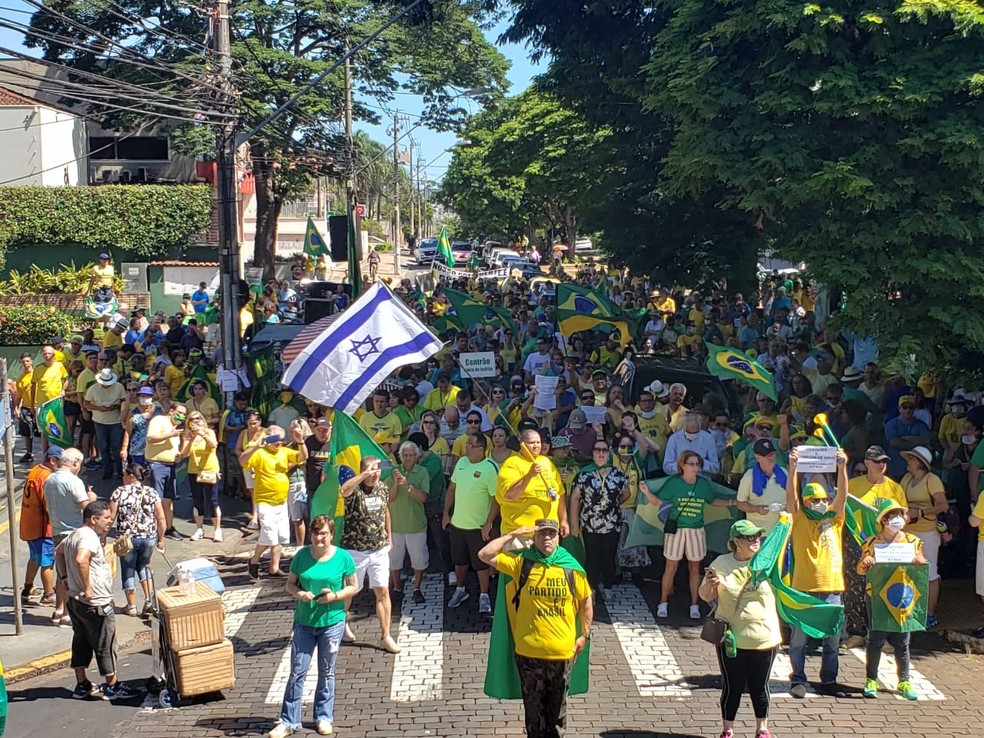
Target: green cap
742 528
885 507
815 491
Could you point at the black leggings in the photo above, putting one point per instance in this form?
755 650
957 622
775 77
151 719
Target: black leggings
600 557
748 669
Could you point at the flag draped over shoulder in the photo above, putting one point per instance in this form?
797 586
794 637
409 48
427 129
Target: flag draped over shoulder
899 596
199 373
262 368
580 309
730 362
444 254
470 312
51 422
343 365
813 616
314 244
349 443
647 527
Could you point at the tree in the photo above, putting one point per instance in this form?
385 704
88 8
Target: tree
278 47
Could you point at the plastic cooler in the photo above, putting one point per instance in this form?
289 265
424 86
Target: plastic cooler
202 570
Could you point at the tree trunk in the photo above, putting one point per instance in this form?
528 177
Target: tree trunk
268 207
570 225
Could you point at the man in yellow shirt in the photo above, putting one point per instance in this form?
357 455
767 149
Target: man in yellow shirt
163 439
527 490
27 424
47 383
547 594
271 463
817 542
381 419
662 302
443 395
875 485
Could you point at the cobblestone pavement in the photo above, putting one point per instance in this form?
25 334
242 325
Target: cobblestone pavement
649 679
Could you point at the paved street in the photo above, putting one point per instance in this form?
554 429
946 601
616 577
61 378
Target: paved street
648 680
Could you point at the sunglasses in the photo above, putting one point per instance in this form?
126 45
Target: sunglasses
903 407
600 449
752 539
625 448
473 422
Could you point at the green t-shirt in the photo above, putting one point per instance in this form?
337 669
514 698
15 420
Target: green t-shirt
687 499
435 470
314 576
408 418
978 460
474 490
406 514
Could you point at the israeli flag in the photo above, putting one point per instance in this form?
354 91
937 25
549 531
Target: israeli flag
343 365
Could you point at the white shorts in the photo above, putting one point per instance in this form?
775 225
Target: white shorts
274 525
250 479
931 550
373 563
416 544
297 509
980 568
691 542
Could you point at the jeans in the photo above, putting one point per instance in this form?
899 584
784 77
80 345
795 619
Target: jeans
306 639
110 437
134 564
798 641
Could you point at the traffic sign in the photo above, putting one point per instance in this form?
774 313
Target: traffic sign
360 210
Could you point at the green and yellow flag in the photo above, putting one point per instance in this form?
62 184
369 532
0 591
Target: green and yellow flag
199 373
444 254
580 309
730 362
349 443
470 311
51 422
899 596
314 244
861 519
647 526
262 367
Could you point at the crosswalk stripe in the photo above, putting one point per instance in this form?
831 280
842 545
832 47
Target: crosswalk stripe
888 678
653 666
779 685
237 604
418 671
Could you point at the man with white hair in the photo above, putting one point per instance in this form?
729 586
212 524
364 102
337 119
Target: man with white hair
408 520
691 438
675 411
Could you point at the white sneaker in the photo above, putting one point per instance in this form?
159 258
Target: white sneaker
198 535
323 727
459 596
663 610
484 604
349 636
280 730
452 579
217 535
695 612
389 645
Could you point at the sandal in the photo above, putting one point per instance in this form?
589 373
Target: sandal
56 616
130 610
252 524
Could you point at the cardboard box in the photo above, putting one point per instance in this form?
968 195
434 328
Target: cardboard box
191 620
206 669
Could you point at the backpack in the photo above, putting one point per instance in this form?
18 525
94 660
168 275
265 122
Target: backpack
524 576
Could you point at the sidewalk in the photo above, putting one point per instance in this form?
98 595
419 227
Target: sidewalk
43 646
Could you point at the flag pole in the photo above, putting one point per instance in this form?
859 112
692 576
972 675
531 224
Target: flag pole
8 463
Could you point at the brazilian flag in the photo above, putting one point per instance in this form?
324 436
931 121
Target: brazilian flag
199 373
729 362
470 311
861 519
349 443
262 366
51 422
314 244
580 309
647 527
899 596
444 254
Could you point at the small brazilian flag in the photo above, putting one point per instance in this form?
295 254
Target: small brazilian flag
729 362
314 244
444 254
899 595
580 309
51 422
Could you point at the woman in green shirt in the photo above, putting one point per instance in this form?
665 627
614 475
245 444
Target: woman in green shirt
750 611
322 578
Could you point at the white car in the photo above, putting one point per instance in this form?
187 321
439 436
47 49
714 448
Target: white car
501 254
583 246
426 251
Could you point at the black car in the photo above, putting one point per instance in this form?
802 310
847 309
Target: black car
691 374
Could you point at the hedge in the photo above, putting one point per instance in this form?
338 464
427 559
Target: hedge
32 325
147 220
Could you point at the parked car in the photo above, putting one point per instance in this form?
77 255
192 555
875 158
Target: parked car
485 249
583 246
426 250
462 251
498 255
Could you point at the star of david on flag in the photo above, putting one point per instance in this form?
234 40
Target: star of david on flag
343 364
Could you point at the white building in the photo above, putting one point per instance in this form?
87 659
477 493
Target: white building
42 144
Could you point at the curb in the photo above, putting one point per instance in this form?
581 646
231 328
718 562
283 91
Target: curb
48 664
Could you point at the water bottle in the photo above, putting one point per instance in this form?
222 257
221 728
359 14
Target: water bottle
730 645
186 581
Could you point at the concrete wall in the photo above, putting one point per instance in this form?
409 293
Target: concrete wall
63 147
21 144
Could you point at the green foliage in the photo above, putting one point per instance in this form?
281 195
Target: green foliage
383 247
148 220
373 228
65 280
21 326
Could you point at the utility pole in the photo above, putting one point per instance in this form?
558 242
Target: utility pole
396 192
7 429
420 202
413 229
354 273
225 182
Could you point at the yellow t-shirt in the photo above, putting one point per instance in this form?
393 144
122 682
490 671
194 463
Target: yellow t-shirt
437 399
887 489
24 388
535 503
817 554
202 458
951 429
166 451
440 447
209 408
104 275
750 611
978 512
389 423
920 494
772 493
686 340
175 378
271 483
655 427
545 625
112 339
458 449
697 317
666 306
48 382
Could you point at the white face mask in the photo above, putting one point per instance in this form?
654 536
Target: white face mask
895 523
689 436
819 507
649 414
145 401
968 439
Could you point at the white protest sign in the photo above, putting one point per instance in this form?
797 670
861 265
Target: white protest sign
545 398
594 414
816 459
894 553
478 364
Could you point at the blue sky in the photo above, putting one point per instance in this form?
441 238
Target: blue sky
432 145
